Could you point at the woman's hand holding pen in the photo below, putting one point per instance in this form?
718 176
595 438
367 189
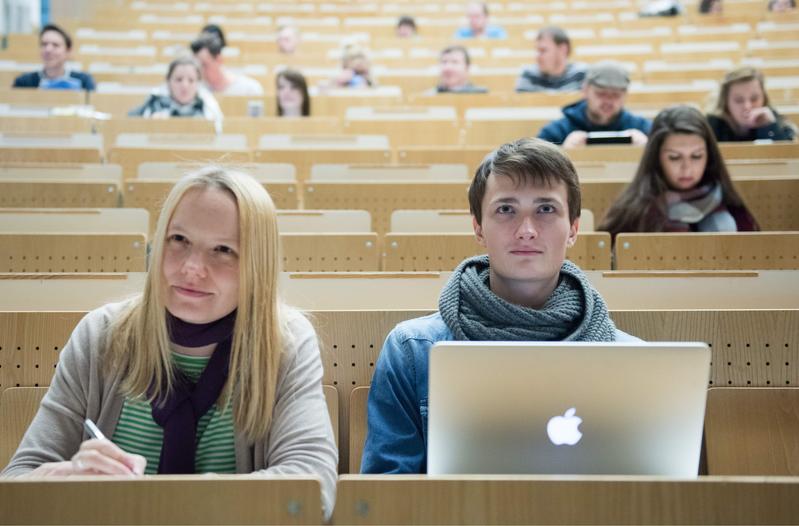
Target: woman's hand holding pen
100 456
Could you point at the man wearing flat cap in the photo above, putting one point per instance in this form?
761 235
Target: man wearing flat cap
601 109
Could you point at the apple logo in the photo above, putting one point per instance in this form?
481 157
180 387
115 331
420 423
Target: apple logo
563 429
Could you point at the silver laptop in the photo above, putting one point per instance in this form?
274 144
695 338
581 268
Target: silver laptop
567 408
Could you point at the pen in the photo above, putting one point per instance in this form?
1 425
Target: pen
92 429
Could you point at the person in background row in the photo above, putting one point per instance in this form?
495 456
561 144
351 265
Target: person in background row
743 113
292 94
288 39
479 27
55 46
682 183
454 65
206 371
601 110
182 96
207 48
355 68
661 8
215 30
552 71
781 6
711 7
406 27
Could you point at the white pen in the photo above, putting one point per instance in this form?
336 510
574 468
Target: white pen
92 429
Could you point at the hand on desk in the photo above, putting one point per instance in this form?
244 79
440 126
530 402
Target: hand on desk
96 457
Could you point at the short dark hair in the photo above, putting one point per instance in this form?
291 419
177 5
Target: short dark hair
215 29
407 20
207 41
526 160
457 49
706 5
558 36
60 31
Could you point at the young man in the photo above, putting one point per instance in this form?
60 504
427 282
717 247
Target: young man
454 65
477 15
552 71
207 49
55 45
602 109
525 205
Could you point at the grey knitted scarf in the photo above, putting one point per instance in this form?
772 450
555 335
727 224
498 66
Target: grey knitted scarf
574 312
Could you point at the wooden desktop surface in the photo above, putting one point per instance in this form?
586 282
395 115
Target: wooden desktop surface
191 499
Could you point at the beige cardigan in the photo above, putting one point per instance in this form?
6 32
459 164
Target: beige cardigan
299 441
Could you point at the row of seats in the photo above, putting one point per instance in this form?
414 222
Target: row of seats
413 252
303 151
770 198
750 348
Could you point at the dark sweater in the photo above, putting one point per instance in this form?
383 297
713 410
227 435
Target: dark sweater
777 131
576 118
32 80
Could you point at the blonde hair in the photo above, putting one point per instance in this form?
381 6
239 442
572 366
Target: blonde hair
744 74
139 341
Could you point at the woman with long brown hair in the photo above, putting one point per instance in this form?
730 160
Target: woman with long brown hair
682 183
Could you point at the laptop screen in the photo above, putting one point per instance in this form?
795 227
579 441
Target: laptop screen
567 408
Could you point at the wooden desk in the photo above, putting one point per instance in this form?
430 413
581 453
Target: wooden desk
224 499
419 499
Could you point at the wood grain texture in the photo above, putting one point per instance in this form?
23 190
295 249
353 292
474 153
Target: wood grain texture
304 159
752 431
357 431
410 499
472 156
16 154
67 252
409 133
421 252
330 252
131 157
192 499
750 348
59 194
381 199
18 405
708 251
150 195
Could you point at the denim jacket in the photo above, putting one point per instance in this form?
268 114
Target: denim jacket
396 440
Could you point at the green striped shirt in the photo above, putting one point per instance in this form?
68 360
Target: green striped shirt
137 432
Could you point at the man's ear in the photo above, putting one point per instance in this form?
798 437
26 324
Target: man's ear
572 239
478 232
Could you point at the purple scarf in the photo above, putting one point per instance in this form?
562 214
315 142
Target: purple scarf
178 411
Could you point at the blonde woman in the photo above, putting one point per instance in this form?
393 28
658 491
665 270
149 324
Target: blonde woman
743 111
209 337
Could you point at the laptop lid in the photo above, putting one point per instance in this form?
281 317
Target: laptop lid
567 408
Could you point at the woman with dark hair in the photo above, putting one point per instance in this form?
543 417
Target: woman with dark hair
710 7
743 112
682 183
292 94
